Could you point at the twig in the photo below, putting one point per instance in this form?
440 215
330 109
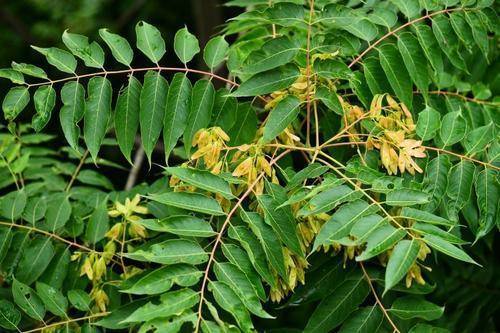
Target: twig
77 170
97 315
134 171
374 292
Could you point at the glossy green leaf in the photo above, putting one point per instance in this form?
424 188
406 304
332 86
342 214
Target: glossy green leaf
423 216
225 110
62 60
488 196
453 128
98 224
460 181
448 41
12 205
477 139
34 260
430 46
97 113
184 225
247 118
380 241
394 67
268 81
402 258
334 309
53 299
429 121
274 53
58 212
15 101
329 199
44 100
375 77
363 320
91 53
229 301
410 8
13 75
72 111
177 111
127 116
200 111
150 41
30 70
172 251
415 61
215 52
119 46
406 197
152 110
160 280
185 45
202 179
172 302
190 201
446 248
285 112
409 307
79 299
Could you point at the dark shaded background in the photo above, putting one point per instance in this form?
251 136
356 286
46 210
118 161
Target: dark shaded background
42 22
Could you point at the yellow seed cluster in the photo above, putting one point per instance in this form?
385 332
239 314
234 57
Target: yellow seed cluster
295 267
210 142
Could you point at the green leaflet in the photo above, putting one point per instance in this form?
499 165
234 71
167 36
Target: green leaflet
361 89
269 240
488 196
10 317
190 201
97 113
406 197
202 179
364 227
330 99
12 75
282 222
15 101
477 139
448 249
423 216
329 199
414 59
268 81
429 229
311 171
62 60
375 77
35 259
341 222
119 46
410 8
429 121
215 52
57 270
79 299
91 53
453 128
58 212
12 205
240 259
152 110
462 29
229 301
245 133
459 188
430 46
254 250
72 111
285 112
380 241
402 257
238 281
399 79
362 28
30 70
436 180
171 303
160 280
479 31
184 225
5 241
185 45
176 112
44 100
225 110
383 17
334 309
332 69
28 300
53 299
363 320
448 41
127 116
274 53
200 111
150 41
98 224
172 251
408 307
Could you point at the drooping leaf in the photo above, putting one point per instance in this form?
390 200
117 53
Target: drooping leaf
119 46
12 205
394 67
280 117
190 201
487 193
150 41
406 197
13 75
58 212
423 216
402 257
460 180
53 299
185 45
177 111
152 110
62 60
202 179
268 81
245 133
79 299
98 224
97 113
200 111
477 139
363 320
30 70
172 251
72 111
414 59
429 46
10 317
184 225
381 240
453 128
429 121
410 8
35 259
28 300
334 309
408 307
127 116
448 41
274 53
448 249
